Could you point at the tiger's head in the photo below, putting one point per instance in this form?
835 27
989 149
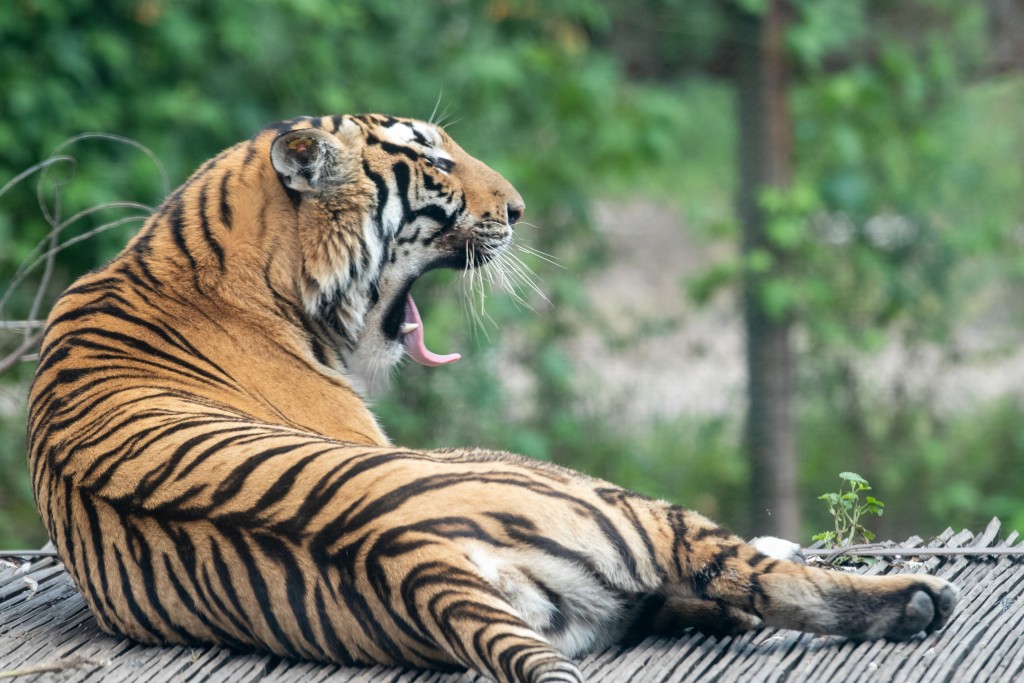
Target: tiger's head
379 202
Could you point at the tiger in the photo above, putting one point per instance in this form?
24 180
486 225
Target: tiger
204 458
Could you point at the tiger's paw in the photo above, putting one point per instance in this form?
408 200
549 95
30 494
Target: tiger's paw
929 604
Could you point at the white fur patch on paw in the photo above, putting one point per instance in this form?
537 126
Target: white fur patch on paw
779 549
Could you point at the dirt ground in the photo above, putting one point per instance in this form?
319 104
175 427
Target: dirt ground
681 359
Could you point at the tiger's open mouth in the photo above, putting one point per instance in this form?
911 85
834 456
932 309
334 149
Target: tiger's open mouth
403 322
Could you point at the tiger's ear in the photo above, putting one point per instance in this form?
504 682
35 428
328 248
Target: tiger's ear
310 160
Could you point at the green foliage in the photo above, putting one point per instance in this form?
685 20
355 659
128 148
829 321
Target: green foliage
944 470
899 232
846 509
873 233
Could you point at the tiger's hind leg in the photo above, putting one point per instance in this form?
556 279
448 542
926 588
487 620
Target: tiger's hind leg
671 615
895 607
711 564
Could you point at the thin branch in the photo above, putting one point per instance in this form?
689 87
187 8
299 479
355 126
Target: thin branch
28 553
66 664
32 169
15 356
25 266
124 141
21 325
50 253
44 283
46 251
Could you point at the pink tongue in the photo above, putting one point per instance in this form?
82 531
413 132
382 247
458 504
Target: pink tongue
413 341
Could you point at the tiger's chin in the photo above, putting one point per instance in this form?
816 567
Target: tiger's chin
370 367
392 332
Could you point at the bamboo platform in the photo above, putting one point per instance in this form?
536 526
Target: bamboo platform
47 634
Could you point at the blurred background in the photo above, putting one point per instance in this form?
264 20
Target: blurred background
785 238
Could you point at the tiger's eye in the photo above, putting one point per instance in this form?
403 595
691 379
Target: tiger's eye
441 163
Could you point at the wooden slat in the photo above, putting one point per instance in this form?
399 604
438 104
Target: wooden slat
983 641
974 622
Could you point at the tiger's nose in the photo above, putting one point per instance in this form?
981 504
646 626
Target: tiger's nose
513 212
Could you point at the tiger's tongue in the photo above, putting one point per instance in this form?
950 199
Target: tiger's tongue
413 340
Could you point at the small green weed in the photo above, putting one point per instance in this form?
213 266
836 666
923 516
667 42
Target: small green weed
847 510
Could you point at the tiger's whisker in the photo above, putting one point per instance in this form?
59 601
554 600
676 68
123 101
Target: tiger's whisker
544 256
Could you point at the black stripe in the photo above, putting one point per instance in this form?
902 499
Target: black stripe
145 563
284 483
393 149
224 576
369 619
329 629
382 193
95 536
701 579
140 256
129 445
251 148
681 547
234 482
259 589
101 285
711 532
225 201
278 551
621 498
179 364
205 583
426 575
177 227
246 431
436 214
315 501
128 593
186 600
400 172
204 224
431 184
155 478
168 334
117 356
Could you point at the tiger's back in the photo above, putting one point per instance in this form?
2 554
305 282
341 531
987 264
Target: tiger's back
209 472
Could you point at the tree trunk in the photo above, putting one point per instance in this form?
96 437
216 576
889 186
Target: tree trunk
1006 35
765 159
